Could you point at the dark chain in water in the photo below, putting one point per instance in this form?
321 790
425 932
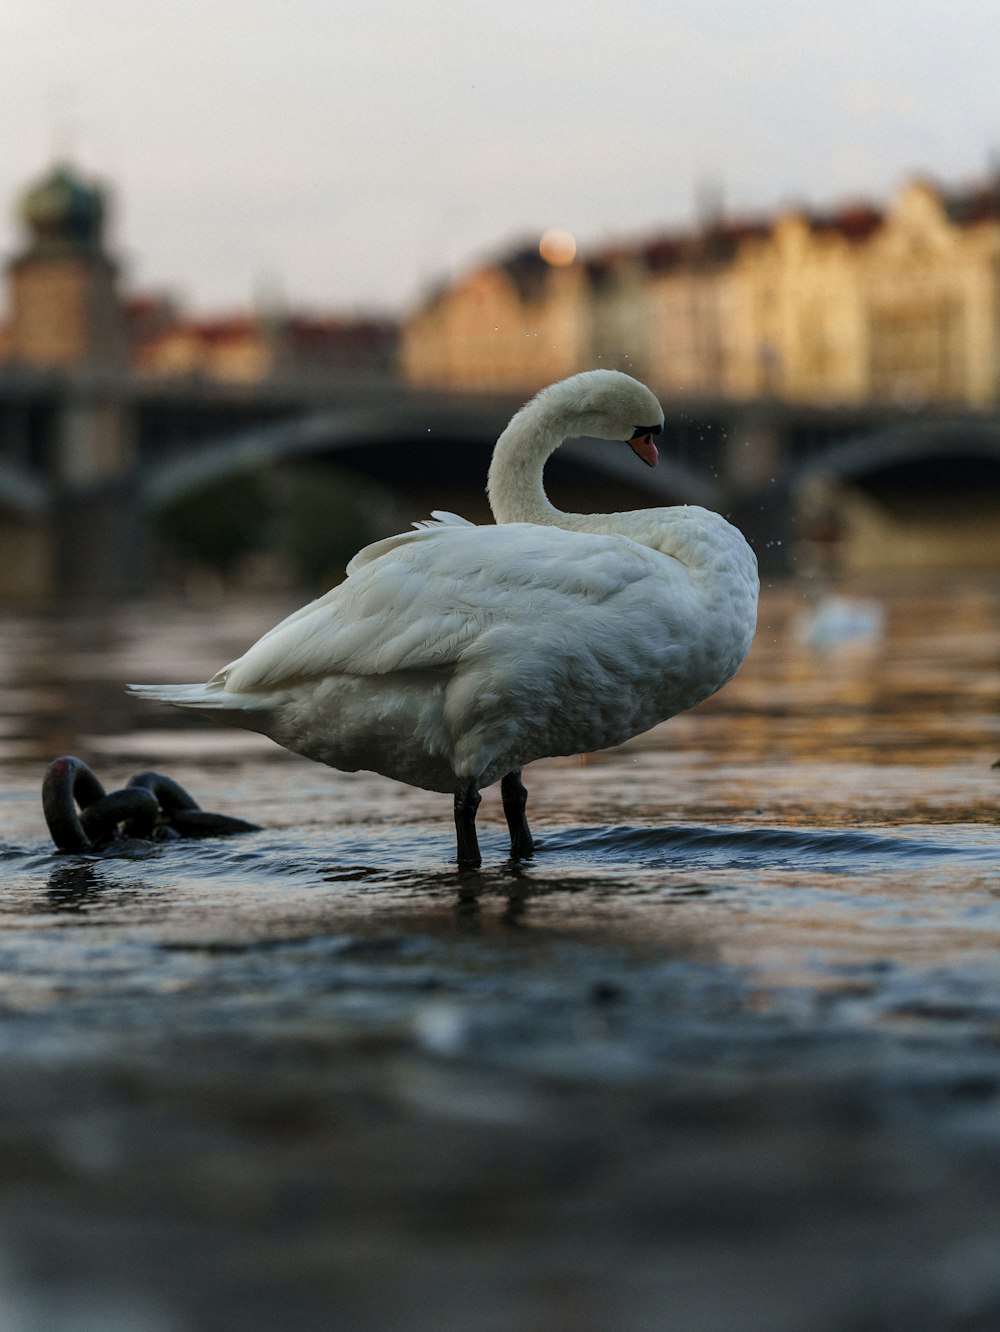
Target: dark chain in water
82 816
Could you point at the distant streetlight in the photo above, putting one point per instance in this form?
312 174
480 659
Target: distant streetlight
557 247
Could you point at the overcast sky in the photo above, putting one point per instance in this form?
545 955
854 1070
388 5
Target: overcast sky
347 153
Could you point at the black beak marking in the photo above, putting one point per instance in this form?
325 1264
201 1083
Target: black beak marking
640 431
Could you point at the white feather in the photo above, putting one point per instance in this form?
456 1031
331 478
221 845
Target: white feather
442 518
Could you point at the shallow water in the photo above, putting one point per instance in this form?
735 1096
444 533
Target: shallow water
758 947
856 779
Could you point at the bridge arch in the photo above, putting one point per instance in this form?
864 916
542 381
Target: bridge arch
918 494
409 449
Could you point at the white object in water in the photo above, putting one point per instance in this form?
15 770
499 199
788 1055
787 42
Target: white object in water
838 620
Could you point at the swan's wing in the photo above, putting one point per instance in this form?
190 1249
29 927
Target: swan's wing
392 612
417 601
439 518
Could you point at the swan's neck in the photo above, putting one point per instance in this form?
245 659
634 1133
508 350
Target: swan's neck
515 487
700 540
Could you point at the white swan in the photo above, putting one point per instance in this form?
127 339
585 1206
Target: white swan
453 654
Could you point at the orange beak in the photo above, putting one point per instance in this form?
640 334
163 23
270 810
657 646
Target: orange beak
643 447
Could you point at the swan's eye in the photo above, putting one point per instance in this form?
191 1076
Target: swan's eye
641 431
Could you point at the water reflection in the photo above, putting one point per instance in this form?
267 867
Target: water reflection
859 772
929 685
72 887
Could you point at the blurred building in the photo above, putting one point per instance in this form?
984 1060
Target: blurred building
71 426
900 305
68 309
63 296
863 306
250 348
516 324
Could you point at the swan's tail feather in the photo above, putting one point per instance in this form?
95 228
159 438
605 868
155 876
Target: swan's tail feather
199 697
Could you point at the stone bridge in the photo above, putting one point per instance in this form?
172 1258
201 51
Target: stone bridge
86 459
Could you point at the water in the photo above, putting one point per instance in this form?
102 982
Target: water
816 785
730 1043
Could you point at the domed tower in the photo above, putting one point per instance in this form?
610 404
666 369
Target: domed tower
64 303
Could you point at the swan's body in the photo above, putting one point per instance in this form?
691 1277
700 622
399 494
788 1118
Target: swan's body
452 655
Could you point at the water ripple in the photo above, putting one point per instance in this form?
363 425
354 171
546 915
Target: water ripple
401 853
728 847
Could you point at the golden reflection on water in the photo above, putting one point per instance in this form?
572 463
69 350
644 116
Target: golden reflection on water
901 726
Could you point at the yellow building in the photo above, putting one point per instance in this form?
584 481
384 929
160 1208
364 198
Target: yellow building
515 325
800 313
699 312
861 305
930 284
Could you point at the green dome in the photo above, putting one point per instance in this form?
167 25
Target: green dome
63 212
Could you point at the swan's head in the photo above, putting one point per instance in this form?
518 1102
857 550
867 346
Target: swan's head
607 404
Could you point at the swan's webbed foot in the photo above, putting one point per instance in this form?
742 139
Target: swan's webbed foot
515 800
467 800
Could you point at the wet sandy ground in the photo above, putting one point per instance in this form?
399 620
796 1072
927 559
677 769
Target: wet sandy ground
726 1054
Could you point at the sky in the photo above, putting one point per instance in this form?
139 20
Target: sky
333 155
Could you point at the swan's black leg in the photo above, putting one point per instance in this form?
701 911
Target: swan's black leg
515 800
467 800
